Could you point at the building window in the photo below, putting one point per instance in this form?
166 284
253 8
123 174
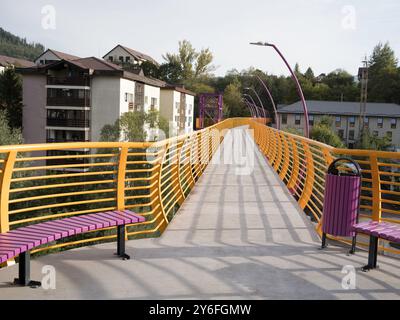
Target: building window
389 135
375 133
110 58
380 122
127 59
351 134
121 58
153 102
284 118
341 133
338 121
393 123
366 122
297 119
190 108
352 121
311 120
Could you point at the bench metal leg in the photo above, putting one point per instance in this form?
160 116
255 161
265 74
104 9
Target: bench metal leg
372 254
121 243
24 271
323 245
353 245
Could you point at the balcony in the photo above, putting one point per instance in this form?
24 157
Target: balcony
239 231
68 81
68 101
62 140
73 123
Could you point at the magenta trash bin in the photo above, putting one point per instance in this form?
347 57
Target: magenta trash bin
341 201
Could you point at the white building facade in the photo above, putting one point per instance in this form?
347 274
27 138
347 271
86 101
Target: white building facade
177 106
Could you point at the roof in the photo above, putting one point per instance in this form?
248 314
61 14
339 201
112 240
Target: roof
60 55
6 61
136 54
178 88
95 66
343 108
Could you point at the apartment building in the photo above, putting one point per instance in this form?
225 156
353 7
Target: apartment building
382 119
124 55
11 62
177 105
51 55
71 100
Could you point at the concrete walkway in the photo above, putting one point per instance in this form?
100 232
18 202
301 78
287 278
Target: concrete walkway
239 235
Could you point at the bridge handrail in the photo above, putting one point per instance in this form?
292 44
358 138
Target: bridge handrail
37 183
301 163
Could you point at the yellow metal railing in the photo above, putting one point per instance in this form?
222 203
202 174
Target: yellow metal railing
48 181
42 182
302 164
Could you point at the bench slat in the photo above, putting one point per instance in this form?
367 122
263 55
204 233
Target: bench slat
383 230
25 238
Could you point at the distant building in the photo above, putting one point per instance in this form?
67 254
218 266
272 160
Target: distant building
124 55
177 106
51 55
72 100
382 119
10 62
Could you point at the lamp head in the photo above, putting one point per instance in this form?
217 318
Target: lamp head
260 43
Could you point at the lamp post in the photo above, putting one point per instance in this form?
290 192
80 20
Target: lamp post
248 104
253 102
259 99
278 124
296 81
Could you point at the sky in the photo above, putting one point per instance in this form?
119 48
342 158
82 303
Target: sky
321 34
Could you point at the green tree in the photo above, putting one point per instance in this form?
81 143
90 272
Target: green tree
369 141
8 136
171 72
11 97
130 126
322 131
233 105
193 64
384 75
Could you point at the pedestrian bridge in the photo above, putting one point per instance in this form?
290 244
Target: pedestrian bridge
232 212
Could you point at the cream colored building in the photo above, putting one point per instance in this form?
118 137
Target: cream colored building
72 100
124 55
382 119
177 106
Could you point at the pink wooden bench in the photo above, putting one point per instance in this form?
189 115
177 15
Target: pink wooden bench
376 230
19 242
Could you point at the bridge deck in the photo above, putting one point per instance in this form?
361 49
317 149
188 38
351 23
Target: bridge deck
238 235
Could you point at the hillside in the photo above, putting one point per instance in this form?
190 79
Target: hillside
14 46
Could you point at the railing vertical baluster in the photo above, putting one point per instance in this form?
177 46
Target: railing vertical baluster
176 169
308 167
163 162
285 160
123 158
294 176
5 184
376 187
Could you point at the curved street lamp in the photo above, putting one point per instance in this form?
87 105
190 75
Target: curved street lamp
296 81
278 124
253 103
259 99
250 107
